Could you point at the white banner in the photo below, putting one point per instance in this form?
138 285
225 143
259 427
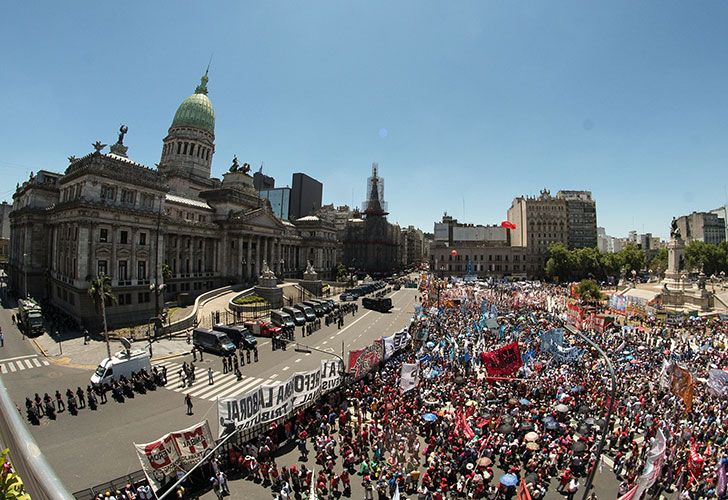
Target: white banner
331 371
410 376
388 343
161 459
273 401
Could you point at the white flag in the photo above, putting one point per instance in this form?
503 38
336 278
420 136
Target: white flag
395 495
409 377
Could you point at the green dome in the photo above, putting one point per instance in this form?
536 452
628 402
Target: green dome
196 111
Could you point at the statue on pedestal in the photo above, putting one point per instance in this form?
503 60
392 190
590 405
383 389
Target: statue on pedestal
674 230
309 268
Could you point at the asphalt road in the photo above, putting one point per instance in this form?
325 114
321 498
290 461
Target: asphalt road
96 446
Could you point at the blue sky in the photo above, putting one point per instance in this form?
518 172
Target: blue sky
481 101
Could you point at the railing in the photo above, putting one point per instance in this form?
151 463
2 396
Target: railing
38 477
191 320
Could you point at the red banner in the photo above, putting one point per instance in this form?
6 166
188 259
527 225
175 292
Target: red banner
503 361
362 361
523 493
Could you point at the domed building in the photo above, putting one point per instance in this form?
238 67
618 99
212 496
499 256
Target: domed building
164 234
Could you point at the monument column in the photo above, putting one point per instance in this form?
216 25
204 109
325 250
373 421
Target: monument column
249 257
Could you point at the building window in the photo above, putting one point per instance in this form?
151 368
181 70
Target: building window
102 268
142 238
123 274
142 270
143 298
124 299
127 196
103 235
192 149
124 237
147 200
107 193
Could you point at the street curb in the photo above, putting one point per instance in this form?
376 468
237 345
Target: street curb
172 356
39 348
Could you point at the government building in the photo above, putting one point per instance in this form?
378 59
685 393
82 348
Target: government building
164 233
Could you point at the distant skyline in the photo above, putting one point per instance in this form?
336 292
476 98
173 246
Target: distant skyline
463 106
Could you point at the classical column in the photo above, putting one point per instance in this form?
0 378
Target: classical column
258 254
133 263
277 255
239 264
113 271
249 258
265 252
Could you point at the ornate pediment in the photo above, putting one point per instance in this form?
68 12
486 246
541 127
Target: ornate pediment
260 217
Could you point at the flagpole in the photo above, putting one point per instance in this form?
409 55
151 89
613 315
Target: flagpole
612 397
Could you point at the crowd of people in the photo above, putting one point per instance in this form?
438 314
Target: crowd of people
48 406
461 433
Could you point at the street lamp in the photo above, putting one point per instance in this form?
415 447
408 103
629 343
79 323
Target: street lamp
25 273
282 262
243 262
307 350
612 396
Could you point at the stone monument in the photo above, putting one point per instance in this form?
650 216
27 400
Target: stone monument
119 149
311 281
677 291
675 259
267 287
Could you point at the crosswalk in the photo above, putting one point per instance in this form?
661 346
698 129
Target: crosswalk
225 385
20 363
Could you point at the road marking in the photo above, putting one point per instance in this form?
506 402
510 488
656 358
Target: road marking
3 369
275 375
12 367
19 357
216 387
27 363
286 368
298 360
332 337
36 362
324 342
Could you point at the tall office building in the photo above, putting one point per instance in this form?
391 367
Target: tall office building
582 213
707 227
279 199
306 194
262 181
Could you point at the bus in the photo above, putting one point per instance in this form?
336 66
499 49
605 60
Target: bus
381 304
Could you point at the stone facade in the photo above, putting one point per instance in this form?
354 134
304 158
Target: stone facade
707 227
107 214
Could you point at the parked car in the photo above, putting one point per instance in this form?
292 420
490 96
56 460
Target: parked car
307 311
262 328
298 317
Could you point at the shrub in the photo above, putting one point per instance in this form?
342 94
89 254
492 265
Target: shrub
250 299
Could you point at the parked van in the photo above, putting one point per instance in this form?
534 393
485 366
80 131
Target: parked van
122 363
324 304
318 309
282 319
307 311
298 317
212 341
239 335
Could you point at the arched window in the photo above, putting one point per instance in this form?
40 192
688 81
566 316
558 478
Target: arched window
179 147
192 149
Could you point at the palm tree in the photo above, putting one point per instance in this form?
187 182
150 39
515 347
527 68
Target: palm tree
100 292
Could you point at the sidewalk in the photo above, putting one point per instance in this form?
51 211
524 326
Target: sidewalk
69 350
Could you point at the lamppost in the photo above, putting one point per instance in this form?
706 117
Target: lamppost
156 288
612 396
283 263
243 262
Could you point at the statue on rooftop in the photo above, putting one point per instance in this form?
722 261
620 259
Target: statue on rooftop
235 166
122 132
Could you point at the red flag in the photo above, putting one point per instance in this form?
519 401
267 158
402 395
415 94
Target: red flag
508 224
523 493
630 494
503 361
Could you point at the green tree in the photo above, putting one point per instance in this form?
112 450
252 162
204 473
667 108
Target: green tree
589 291
658 263
633 259
166 272
612 264
341 273
706 257
100 292
560 263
